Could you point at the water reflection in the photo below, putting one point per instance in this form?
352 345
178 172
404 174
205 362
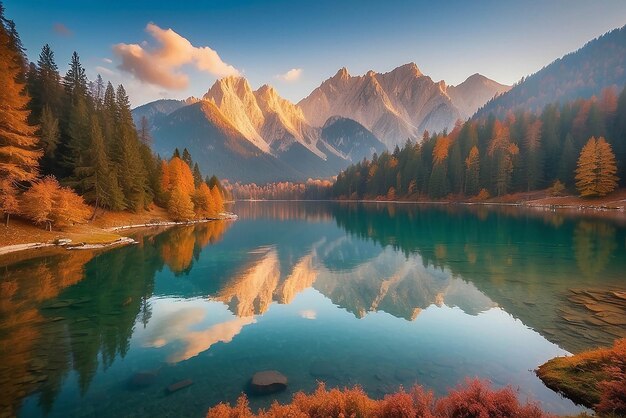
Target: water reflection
176 299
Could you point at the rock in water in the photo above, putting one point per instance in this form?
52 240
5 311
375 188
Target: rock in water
268 381
179 385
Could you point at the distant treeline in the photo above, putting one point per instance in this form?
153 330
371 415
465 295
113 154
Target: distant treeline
67 140
524 151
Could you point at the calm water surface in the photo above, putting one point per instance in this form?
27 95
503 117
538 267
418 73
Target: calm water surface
379 295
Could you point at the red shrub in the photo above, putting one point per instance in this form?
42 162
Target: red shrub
613 390
477 400
473 400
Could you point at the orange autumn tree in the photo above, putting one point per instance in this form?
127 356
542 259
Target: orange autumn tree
203 201
596 170
18 143
177 181
46 202
218 200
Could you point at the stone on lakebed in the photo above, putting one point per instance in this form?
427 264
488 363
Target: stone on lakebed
268 381
179 385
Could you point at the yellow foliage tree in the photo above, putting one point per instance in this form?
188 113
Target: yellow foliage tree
179 205
9 204
596 170
203 201
180 176
46 202
218 200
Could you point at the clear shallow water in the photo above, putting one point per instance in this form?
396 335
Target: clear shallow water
378 295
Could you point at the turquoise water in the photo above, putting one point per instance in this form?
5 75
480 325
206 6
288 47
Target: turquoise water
379 295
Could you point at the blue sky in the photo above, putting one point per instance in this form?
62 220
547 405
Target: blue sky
503 40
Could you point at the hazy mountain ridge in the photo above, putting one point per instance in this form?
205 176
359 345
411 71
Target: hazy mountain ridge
600 63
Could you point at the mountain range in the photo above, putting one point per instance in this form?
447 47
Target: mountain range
256 135
400 104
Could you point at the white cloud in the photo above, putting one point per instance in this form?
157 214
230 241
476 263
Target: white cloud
107 60
308 314
291 75
106 71
161 65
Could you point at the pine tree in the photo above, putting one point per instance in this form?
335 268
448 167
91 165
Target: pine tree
126 155
49 134
197 175
18 143
44 85
176 153
109 116
144 132
75 80
187 158
95 179
78 128
596 172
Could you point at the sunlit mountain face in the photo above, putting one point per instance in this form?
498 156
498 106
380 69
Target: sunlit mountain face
381 295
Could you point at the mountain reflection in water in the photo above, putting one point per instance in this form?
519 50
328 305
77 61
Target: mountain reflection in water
75 326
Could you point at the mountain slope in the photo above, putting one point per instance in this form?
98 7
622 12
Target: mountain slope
294 150
581 74
474 92
396 105
217 145
156 109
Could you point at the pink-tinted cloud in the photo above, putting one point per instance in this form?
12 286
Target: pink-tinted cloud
162 64
61 29
291 75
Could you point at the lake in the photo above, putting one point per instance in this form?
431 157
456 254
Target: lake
374 294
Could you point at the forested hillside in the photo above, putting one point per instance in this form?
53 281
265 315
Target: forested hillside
581 74
493 156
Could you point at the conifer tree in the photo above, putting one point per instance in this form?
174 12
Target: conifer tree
187 157
95 179
197 175
44 85
75 80
596 171
49 134
126 155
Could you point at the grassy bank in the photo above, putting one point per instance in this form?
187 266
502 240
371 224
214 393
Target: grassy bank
596 378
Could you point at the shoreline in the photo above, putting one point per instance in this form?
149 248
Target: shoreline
526 204
119 241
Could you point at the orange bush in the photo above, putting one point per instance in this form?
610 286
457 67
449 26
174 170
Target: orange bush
613 390
474 399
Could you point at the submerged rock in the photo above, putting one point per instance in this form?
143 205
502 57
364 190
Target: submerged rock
179 385
268 381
